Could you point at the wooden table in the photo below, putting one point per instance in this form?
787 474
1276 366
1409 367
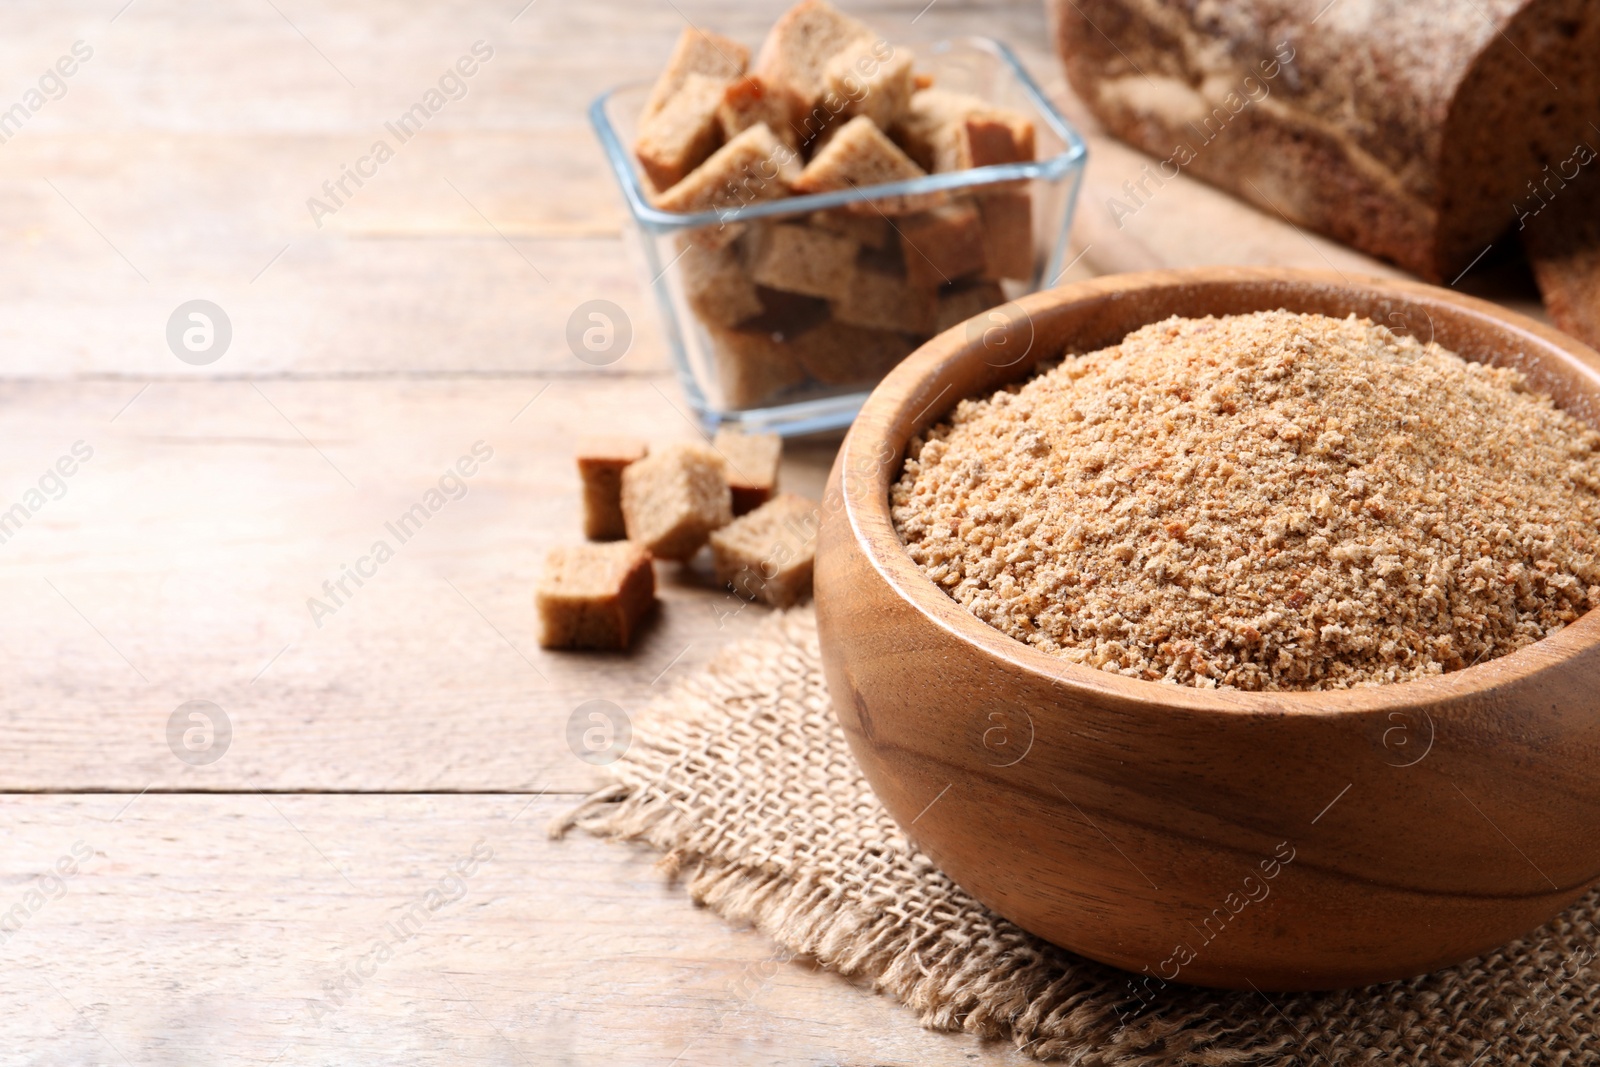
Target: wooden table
243 910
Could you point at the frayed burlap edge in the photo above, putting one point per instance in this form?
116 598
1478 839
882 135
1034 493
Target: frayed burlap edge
712 766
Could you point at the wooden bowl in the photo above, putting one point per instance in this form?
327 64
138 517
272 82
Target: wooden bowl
1282 840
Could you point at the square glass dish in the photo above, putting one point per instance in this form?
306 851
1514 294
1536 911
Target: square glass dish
782 314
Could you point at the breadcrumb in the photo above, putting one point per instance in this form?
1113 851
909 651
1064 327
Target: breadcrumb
1272 501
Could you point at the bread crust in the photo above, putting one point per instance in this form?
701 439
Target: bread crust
1401 127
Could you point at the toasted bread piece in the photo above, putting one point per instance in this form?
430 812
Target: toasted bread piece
697 52
752 167
769 554
752 465
753 365
872 78
868 231
748 102
680 136
795 56
717 285
1007 234
594 596
942 245
601 461
673 498
858 156
882 298
994 136
800 259
836 353
946 131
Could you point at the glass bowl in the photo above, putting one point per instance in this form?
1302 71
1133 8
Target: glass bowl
805 364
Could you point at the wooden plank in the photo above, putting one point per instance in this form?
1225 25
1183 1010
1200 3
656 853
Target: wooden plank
252 929
179 563
328 306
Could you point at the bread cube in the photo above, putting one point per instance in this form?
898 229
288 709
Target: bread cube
945 131
750 102
871 78
994 136
673 498
868 231
753 365
718 287
594 596
796 54
959 303
768 555
885 299
1007 234
800 259
697 52
752 167
788 314
930 122
857 156
679 137
942 245
752 466
601 461
836 353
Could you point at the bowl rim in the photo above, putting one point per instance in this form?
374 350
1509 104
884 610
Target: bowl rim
864 476
1056 167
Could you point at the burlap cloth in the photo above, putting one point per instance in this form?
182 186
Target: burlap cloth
741 777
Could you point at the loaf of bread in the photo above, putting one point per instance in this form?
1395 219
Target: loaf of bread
1561 232
1411 129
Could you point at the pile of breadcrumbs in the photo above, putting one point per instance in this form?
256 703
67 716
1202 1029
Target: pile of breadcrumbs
1264 501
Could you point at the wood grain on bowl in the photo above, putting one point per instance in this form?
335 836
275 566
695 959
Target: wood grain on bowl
1277 840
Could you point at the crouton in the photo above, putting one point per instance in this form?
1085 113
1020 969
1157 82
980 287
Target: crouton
794 57
861 155
752 466
800 259
717 286
697 52
601 461
945 131
868 231
750 102
942 245
994 136
594 596
769 554
679 137
673 498
1007 235
836 353
752 167
882 298
752 366
871 78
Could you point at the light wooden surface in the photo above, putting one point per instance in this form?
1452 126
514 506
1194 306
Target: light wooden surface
427 314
